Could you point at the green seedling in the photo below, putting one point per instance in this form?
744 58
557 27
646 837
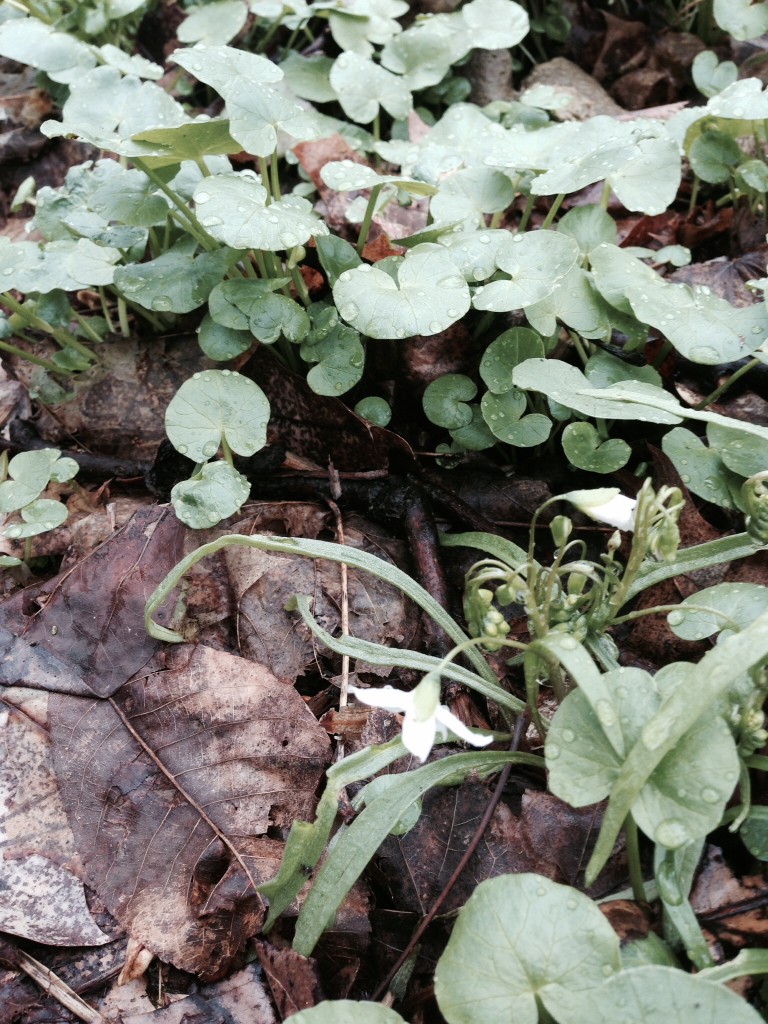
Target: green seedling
25 478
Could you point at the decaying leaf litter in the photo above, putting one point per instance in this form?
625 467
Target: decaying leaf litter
147 789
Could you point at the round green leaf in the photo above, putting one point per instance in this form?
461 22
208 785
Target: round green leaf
445 400
742 19
191 141
30 473
713 156
217 492
339 355
754 832
174 282
710 76
585 450
662 995
701 468
308 76
362 87
502 413
492 24
213 405
504 354
222 343
233 209
474 253
63 470
375 410
576 302
686 793
214 23
346 1011
589 226
60 55
519 939
425 298
535 262
467 195
753 174
724 608
475 436
745 455
276 316
232 303
39 516
350 176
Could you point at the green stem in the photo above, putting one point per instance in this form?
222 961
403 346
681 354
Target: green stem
694 195
300 286
122 314
61 335
496 218
105 310
227 451
86 327
193 225
633 859
265 179
557 203
757 761
530 202
23 354
261 263
275 177
605 195
365 227
727 383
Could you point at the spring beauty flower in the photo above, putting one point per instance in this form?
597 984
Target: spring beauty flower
606 505
426 719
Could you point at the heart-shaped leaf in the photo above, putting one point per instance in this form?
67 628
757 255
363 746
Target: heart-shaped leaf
65 265
63 57
308 76
686 793
701 469
191 141
445 400
374 409
174 282
427 296
212 24
576 302
503 355
467 195
39 516
362 87
233 209
520 940
585 449
336 349
741 454
232 302
350 176
710 75
503 414
725 608
30 473
742 19
216 405
222 343
474 253
213 494
714 155
535 262
590 226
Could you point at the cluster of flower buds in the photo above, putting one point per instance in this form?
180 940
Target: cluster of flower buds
755 494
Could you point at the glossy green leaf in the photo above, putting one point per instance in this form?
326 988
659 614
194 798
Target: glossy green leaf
213 494
663 995
504 416
754 832
213 23
505 353
62 264
476 436
336 255
701 468
586 450
222 343
130 63
590 226
474 253
494 24
710 75
742 19
518 940
713 156
174 282
576 302
741 454
130 197
233 209
338 353
224 67
349 176
702 326
681 799
374 409
752 174
213 405
61 55
107 109
308 76
467 195
359 23
363 87
726 607
39 516
426 297
445 400
603 369
346 1011
233 302
424 53
190 141
29 474
535 262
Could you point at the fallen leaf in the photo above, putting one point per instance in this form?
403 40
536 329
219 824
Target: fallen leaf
174 790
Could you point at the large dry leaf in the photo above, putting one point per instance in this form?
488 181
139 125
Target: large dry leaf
175 788
87 634
43 897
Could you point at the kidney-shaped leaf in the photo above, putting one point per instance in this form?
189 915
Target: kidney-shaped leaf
63 57
586 450
742 19
215 23
445 400
427 297
338 353
724 608
30 473
175 282
503 355
39 516
350 176
686 793
216 405
362 87
213 494
346 1011
535 261
654 994
233 209
519 939
65 264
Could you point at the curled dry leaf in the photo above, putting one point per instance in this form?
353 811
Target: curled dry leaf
173 789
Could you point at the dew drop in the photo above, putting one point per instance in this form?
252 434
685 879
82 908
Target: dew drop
161 303
365 268
202 197
181 449
195 376
350 311
605 713
435 327
606 970
453 312
345 276
400 332
211 222
541 891
552 751
209 450
675 618
569 735
288 240
569 643
710 795
484 239
572 904
213 517
672 833
8 271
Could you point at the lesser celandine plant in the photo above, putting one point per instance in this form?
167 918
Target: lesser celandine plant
618 732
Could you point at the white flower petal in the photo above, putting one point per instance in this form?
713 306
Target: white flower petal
418 736
447 719
606 505
384 697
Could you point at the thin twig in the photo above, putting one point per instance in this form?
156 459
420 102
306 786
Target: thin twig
520 727
56 988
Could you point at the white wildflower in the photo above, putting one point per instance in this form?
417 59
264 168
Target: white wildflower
606 505
426 719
